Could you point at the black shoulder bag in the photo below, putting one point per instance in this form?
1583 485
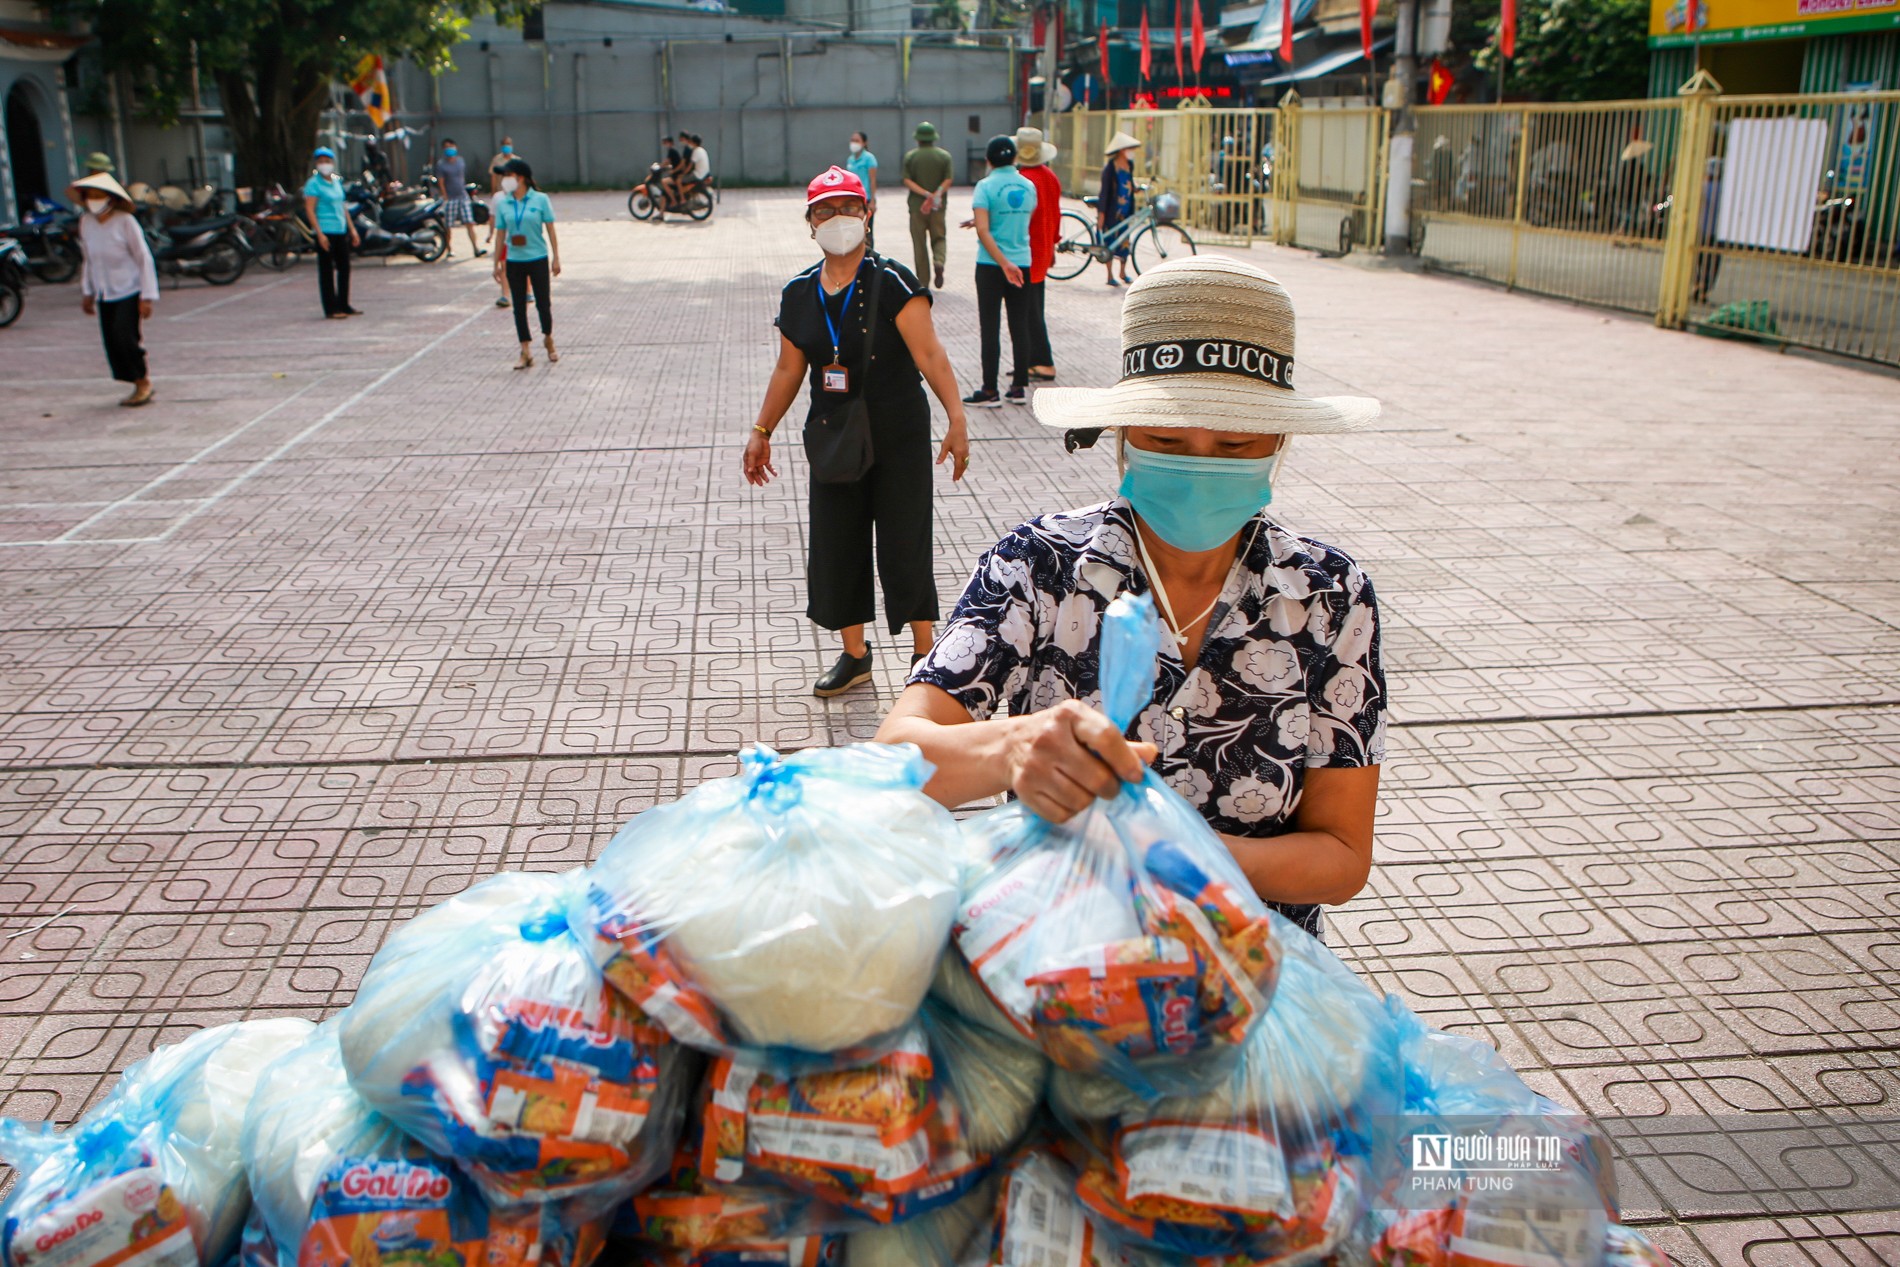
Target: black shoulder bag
838 444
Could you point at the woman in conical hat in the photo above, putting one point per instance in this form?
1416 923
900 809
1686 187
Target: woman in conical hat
118 280
1268 713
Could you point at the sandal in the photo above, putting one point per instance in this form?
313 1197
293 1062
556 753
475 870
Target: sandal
526 362
139 396
548 341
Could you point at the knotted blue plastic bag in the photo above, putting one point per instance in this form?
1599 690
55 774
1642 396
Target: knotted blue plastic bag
1125 941
1530 1181
484 1029
791 915
337 1184
156 1164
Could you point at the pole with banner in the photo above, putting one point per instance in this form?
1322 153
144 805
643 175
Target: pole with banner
1147 49
1199 49
1286 33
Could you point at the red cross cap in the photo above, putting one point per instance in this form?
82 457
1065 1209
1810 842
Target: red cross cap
835 182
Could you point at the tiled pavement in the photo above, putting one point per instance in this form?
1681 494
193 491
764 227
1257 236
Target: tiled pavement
355 615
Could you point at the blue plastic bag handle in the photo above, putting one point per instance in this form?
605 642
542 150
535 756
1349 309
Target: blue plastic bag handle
1131 643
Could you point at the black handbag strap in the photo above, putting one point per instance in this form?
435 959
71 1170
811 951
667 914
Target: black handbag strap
870 313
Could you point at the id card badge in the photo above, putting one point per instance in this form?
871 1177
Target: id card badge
517 239
837 378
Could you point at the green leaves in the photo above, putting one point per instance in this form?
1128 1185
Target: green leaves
1572 50
270 59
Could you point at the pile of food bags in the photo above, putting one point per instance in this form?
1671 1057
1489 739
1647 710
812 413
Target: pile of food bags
803 1018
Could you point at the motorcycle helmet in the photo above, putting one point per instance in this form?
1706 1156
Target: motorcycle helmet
1001 151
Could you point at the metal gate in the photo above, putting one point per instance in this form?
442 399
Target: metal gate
1329 175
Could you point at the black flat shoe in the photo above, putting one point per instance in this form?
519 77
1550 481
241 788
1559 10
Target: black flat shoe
848 672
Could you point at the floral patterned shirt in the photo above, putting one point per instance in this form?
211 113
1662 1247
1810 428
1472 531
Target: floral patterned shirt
1288 677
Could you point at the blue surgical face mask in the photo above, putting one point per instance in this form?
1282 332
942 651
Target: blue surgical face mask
507 149
449 150
1196 503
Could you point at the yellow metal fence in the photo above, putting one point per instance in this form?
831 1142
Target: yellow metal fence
1769 217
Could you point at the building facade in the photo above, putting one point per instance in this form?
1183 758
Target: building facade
37 159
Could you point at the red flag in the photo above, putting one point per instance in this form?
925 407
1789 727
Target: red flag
1286 31
1039 25
1507 29
1365 26
1180 47
1689 18
1440 85
1200 39
1147 50
1101 42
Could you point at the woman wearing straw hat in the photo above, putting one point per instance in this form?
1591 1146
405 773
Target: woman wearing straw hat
1115 198
1033 156
1269 708
118 280
857 327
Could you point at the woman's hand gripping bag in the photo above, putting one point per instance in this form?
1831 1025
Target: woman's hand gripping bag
1558 1212
1125 941
883 1142
1273 1163
337 1184
484 1029
791 915
154 1171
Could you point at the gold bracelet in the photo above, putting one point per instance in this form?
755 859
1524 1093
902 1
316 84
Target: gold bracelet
764 431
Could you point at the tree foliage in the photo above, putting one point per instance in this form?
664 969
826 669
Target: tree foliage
273 61
1570 50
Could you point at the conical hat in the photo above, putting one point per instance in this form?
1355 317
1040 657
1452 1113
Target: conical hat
1119 142
104 183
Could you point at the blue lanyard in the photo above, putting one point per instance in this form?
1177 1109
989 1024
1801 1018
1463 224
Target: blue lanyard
521 213
844 311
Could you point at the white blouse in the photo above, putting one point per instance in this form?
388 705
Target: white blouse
118 262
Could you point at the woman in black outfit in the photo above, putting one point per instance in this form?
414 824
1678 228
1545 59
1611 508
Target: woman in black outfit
822 320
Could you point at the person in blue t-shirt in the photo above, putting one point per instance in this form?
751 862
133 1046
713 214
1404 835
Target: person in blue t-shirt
324 206
1003 203
863 164
530 252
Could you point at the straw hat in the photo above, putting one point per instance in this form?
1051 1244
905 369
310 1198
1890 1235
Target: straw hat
1206 342
1032 150
103 182
1119 142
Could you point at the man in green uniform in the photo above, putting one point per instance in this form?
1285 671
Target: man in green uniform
927 171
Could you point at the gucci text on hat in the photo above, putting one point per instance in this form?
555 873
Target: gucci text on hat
1206 342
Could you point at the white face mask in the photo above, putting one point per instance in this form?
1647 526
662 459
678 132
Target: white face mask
857 147
326 169
509 184
840 235
98 206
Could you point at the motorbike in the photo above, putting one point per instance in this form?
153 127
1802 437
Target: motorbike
213 249
13 265
427 240
647 196
50 237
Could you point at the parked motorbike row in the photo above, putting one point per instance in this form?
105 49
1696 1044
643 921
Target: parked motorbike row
190 236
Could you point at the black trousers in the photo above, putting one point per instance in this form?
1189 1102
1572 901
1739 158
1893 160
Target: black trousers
887 511
520 274
119 327
1040 353
333 274
995 296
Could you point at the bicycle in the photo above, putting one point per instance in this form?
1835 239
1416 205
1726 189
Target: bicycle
1150 237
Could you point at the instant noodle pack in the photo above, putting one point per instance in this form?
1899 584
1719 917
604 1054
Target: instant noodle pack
803 1017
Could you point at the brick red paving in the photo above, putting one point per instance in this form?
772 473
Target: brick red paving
354 615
